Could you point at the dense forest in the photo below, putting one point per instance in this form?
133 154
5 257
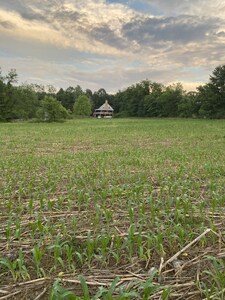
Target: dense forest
144 99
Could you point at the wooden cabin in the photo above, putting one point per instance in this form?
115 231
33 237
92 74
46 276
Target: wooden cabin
104 111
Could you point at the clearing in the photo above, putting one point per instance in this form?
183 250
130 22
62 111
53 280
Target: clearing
112 209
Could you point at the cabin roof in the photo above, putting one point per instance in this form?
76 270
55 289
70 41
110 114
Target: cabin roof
105 107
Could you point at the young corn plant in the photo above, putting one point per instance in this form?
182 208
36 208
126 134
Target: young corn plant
69 250
37 256
166 294
31 205
148 288
57 248
9 266
108 217
159 243
58 292
90 248
104 241
97 213
117 242
130 240
107 294
8 230
22 270
18 230
86 293
215 289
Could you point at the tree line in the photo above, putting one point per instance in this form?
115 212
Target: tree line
143 99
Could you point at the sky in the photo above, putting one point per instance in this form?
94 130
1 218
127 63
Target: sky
112 44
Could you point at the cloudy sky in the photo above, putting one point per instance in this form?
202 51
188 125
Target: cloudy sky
112 44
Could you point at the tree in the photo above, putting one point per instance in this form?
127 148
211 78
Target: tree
99 97
2 101
11 77
26 102
39 89
69 96
188 107
218 78
1 77
60 96
82 106
88 93
51 110
78 92
170 99
136 95
212 95
131 101
7 99
51 90
151 101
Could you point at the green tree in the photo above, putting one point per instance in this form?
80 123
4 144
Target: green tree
51 110
136 95
88 93
78 92
212 95
99 97
61 97
39 89
11 77
2 101
26 102
170 99
7 99
131 101
69 96
188 107
151 101
51 90
82 106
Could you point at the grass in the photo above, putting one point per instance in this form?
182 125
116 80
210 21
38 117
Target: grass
94 209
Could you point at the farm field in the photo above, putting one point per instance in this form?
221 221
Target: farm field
112 209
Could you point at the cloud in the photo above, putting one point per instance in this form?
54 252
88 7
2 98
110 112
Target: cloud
193 7
107 36
101 28
99 43
7 25
183 29
221 34
91 26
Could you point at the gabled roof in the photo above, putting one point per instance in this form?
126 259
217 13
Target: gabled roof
105 106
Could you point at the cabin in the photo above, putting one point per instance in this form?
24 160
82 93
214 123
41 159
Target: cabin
104 111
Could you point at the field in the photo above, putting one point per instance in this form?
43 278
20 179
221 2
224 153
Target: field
112 209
